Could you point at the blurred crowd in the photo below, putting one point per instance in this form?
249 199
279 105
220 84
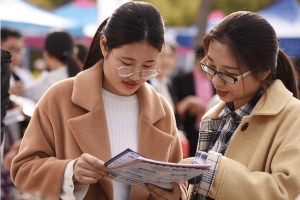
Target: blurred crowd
62 57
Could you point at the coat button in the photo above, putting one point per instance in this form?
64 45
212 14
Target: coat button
245 126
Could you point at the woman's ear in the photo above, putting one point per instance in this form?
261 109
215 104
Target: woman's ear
103 48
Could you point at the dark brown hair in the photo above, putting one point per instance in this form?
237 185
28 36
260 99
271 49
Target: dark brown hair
59 43
253 44
9 32
131 22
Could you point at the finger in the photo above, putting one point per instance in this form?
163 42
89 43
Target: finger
187 160
155 195
160 193
95 166
94 161
87 176
88 169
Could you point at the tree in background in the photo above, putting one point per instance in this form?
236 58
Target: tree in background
50 4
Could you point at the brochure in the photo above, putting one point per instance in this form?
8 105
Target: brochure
134 169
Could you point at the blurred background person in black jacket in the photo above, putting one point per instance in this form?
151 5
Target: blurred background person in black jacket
192 91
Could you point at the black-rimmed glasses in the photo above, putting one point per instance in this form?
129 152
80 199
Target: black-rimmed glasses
126 71
225 77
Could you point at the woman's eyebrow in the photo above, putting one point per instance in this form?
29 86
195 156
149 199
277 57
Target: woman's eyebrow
225 66
132 59
209 58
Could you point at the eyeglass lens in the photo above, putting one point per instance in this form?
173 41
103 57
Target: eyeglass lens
212 72
125 71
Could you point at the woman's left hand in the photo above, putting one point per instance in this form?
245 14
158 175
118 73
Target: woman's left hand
161 194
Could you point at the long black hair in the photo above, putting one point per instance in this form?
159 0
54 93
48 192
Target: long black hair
59 43
253 44
131 22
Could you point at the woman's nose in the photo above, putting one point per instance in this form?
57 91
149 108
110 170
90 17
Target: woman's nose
136 75
216 80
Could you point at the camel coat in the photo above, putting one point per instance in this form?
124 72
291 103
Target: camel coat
262 161
69 120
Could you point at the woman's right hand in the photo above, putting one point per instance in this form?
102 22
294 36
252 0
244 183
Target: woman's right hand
88 169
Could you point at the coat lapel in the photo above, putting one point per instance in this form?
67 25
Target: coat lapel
149 135
91 133
90 130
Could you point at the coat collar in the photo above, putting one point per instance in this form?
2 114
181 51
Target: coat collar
274 100
87 87
271 103
90 129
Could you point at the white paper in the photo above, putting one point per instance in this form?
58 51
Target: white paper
131 168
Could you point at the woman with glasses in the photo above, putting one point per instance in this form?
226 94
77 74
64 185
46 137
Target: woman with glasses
82 122
251 138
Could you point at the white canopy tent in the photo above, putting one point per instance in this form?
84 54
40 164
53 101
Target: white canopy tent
31 20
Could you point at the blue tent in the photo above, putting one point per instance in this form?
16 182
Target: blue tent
284 16
84 12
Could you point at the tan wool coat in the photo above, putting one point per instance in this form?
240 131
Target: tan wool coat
69 120
262 161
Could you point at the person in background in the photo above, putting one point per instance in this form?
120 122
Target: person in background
80 52
15 121
58 55
83 121
251 137
5 81
13 42
162 83
6 183
192 92
58 50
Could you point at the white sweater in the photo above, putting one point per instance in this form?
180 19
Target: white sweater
122 115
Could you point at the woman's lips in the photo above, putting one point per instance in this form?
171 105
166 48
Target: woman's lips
130 85
221 93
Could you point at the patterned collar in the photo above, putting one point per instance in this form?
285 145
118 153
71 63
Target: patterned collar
230 120
245 110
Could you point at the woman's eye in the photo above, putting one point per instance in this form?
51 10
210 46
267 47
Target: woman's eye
213 67
231 73
124 63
